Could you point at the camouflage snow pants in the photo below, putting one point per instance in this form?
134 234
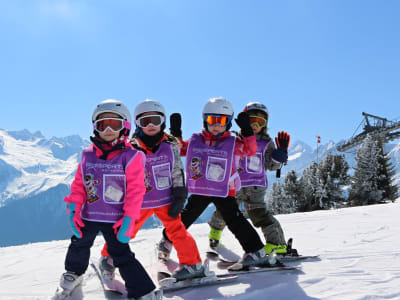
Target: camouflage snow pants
256 208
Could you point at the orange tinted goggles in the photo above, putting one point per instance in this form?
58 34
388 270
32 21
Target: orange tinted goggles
217 119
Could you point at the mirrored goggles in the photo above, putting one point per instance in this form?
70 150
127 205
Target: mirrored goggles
258 121
155 120
114 124
222 120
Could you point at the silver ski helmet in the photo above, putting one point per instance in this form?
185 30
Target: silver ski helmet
218 106
117 107
112 106
256 106
149 105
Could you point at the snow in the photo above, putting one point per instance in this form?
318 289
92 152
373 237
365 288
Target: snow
295 156
359 259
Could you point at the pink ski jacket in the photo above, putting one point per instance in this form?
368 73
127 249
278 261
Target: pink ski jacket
135 188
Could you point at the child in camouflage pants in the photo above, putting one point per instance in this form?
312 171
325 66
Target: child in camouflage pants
254 186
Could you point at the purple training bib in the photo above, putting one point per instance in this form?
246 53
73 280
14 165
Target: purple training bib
105 185
208 168
251 169
158 178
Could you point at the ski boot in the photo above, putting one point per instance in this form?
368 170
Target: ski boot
68 282
214 236
154 295
164 249
279 249
189 271
107 268
254 259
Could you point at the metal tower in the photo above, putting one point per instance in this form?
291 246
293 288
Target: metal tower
375 126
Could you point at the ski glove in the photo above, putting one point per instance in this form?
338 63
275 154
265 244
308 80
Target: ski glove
243 121
175 122
123 229
75 219
282 142
179 195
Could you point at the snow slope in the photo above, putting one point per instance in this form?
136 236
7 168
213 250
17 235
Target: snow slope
359 250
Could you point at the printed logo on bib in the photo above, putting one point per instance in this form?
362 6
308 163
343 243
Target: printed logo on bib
90 185
216 169
114 187
162 176
254 163
195 167
147 181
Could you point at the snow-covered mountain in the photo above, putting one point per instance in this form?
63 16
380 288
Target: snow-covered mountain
35 174
359 253
33 164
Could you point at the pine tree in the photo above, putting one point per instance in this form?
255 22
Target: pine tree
386 173
290 192
308 185
274 197
332 174
364 187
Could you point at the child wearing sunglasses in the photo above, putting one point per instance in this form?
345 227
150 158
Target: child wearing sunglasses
212 177
254 183
106 196
165 186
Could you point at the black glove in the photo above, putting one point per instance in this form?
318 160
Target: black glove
243 122
179 195
282 142
175 122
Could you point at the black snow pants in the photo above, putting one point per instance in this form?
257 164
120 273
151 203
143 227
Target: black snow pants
137 281
234 219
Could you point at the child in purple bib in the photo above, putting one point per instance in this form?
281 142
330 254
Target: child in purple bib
211 170
254 185
106 196
165 186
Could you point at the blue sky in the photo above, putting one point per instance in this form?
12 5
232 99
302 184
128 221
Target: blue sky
315 64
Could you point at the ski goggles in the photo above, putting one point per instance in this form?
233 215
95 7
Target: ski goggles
222 120
114 124
258 121
155 120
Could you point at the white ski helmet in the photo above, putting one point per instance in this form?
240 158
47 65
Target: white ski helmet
218 106
149 105
256 106
112 106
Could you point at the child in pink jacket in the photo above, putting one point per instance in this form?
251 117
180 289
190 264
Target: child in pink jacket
106 196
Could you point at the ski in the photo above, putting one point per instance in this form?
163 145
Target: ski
170 284
227 256
222 253
258 270
110 286
289 258
165 268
